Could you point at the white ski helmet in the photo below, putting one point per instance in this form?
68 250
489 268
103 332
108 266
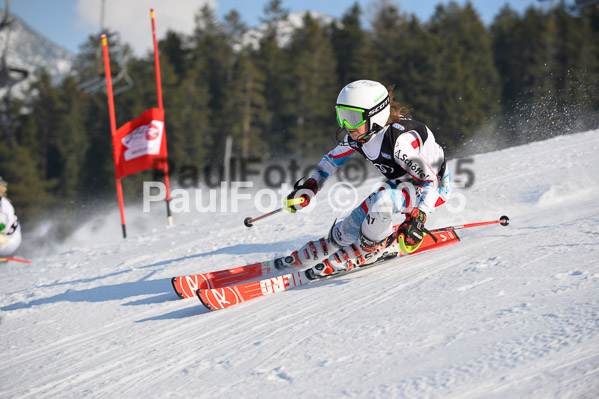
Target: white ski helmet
363 101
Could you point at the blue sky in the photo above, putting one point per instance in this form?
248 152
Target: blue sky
69 22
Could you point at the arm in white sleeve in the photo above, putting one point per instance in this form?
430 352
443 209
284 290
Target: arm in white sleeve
330 163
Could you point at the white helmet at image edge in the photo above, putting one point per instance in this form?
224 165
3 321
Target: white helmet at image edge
370 96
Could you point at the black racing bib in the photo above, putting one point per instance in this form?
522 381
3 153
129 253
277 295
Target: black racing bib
384 162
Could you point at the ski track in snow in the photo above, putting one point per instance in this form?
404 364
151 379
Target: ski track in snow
507 312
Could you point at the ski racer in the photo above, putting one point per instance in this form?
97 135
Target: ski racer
405 152
10 229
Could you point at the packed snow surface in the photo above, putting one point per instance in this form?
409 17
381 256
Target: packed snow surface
507 312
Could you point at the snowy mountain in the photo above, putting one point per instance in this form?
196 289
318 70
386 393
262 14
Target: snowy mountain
31 51
285 28
509 312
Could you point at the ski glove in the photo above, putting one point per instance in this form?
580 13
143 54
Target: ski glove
300 196
411 231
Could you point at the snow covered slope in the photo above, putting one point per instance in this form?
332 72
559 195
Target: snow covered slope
508 312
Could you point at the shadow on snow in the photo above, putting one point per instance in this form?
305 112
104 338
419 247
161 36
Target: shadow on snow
161 289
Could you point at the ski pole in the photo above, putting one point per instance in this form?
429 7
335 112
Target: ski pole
249 220
504 221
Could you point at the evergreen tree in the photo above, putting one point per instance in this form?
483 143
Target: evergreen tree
189 118
273 13
271 60
508 49
311 89
213 51
548 63
234 29
71 144
245 101
174 52
467 79
26 189
416 88
387 30
349 43
574 66
46 110
18 162
247 105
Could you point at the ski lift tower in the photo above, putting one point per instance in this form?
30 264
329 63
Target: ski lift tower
121 80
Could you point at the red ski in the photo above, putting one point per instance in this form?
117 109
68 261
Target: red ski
224 297
186 286
220 298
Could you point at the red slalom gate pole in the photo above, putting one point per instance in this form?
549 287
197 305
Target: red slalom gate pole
160 105
504 221
156 60
119 188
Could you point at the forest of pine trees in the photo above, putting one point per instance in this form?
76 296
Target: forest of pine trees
525 77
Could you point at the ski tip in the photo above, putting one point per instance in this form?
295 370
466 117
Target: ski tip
247 222
174 283
505 220
199 294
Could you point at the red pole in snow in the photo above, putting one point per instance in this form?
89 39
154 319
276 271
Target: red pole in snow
14 259
119 188
504 221
160 105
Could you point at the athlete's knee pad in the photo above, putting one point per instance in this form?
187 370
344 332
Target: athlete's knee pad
378 222
345 232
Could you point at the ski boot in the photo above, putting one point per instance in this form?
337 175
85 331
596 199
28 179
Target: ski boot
312 251
361 253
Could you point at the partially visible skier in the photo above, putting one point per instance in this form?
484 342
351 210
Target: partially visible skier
405 152
10 229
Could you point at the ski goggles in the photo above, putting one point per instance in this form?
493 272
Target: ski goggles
350 117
